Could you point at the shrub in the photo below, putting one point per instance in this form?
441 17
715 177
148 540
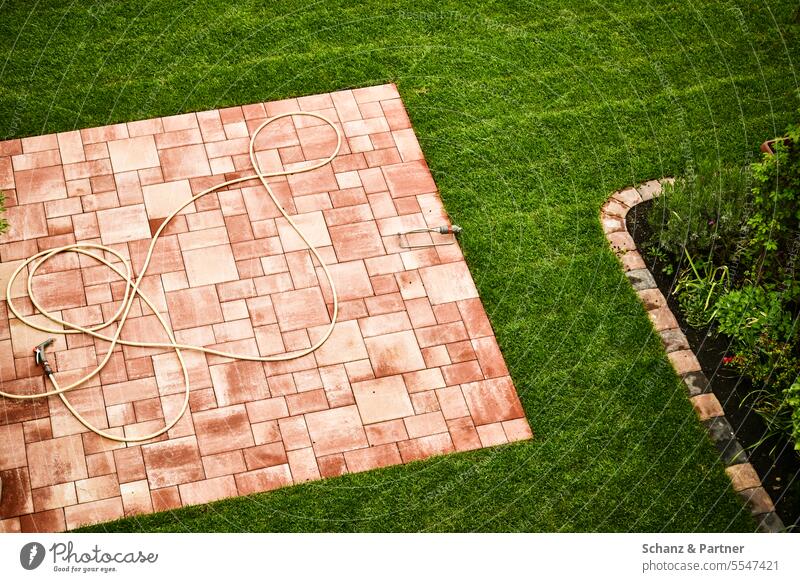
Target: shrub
704 215
773 224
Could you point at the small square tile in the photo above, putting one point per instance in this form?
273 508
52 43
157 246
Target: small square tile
492 400
382 399
356 241
56 461
448 282
194 307
336 430
239 381
394 353
210 265
300 309
163 199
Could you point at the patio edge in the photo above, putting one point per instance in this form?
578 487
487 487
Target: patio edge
744 479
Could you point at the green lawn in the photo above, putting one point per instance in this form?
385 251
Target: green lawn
529 115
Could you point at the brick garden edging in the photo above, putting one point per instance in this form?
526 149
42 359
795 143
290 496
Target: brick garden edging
743 476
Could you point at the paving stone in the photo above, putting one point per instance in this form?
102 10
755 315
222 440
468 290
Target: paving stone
674 340
743 476
696 383
641 279
724 439
411 369
757 500
707 406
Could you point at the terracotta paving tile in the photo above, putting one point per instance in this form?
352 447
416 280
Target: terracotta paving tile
410 370
54 496
313 227
12 447
382 399
239 381
194 307
424 447
184 162
223 429
425 424
123 224
517 430
465 436
448 282
16 498
173 462
372 458
303 465
492 434
300 309
263 479
136 498
208 490
492 400
166 498
136 153
394 353
336 430
93 512
210 265
356 241
56 461
266 455
96 488
160 200
44 521
40 184
345 344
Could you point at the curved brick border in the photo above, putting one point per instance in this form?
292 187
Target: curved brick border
744 478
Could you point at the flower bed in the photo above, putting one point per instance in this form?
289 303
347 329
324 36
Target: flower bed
725 244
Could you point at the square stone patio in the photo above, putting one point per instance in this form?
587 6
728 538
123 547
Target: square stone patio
411 370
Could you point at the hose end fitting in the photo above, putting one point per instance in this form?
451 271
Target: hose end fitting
40 355
454 229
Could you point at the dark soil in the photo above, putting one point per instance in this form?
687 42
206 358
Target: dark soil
774 458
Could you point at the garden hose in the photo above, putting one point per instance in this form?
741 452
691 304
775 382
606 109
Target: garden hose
96 252
443 230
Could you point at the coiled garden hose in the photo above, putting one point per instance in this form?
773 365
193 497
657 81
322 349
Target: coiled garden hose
132 290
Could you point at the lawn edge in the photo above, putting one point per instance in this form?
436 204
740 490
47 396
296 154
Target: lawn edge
744 479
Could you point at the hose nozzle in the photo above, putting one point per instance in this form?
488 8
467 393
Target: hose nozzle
454 229
40 355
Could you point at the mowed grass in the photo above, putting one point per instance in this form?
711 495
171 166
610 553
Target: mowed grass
530 115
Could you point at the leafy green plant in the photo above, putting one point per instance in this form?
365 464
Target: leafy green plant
775 220
698 288
793 401
774 369
766 340
748 313
658 255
